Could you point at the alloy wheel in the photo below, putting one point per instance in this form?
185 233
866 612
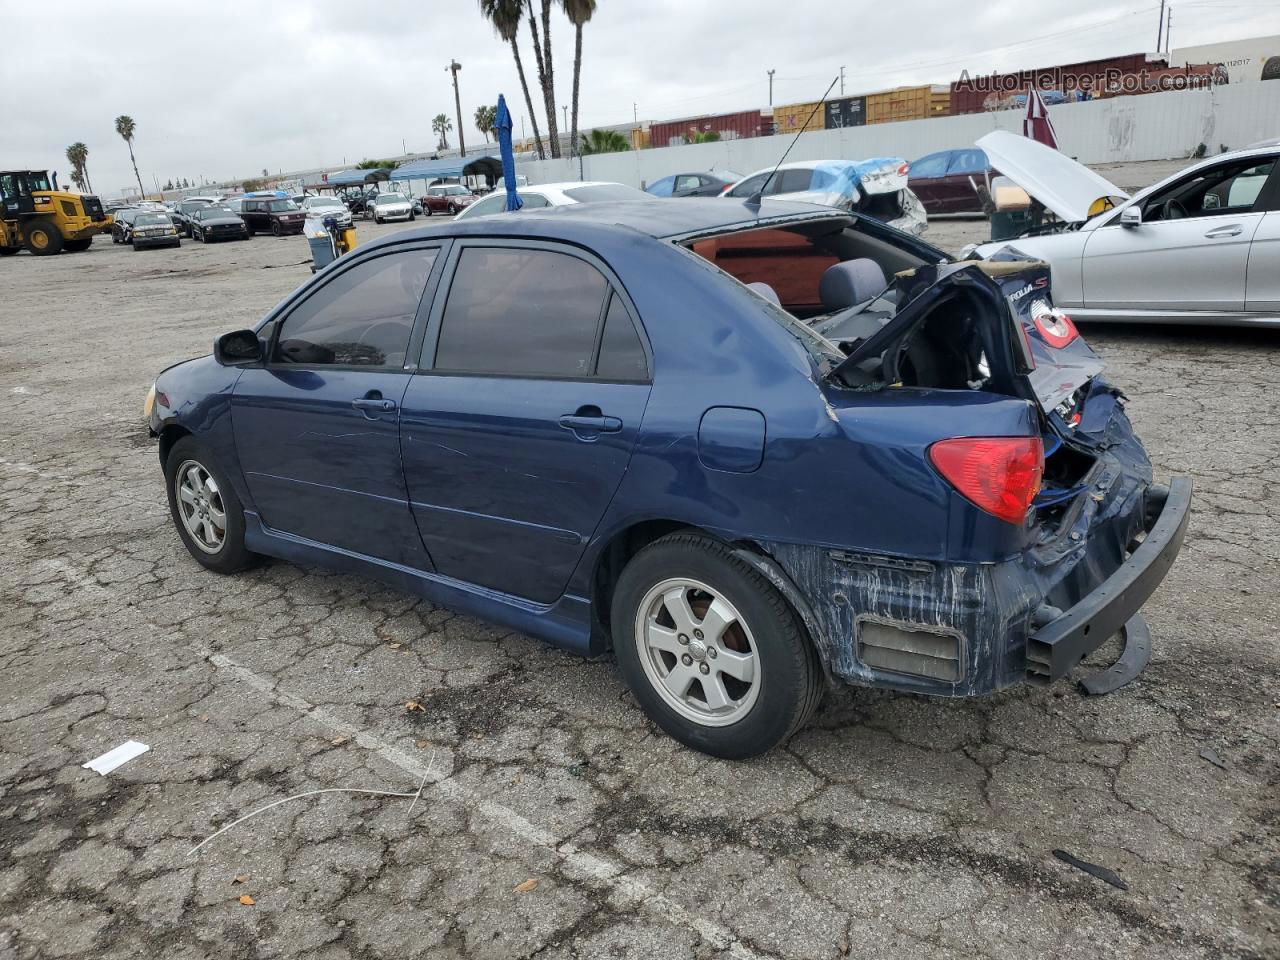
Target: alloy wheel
200 506
697 651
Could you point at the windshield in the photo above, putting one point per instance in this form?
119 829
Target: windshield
317 203
605 191
208 213
152 219
281 206
384 198
456 190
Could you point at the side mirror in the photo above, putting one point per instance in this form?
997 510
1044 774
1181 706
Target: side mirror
1131 216
237 349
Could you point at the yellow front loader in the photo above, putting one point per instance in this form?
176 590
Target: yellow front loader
44 220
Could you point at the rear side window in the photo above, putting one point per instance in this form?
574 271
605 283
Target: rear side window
363 317
968 161
662 188
621 355
934 165
792 181
517 312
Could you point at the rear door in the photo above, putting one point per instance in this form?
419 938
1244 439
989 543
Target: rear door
965 172
317 427
1262 282
518 429
927 179
1190 253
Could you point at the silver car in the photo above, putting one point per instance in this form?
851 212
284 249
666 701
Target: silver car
391 206
1202 246
322 207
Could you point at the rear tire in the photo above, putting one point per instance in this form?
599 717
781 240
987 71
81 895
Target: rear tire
205 508
43 238
8 251
711 650
79 246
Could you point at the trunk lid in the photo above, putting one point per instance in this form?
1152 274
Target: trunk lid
1067 188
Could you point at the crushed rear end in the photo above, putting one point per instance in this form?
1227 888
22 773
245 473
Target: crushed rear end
1035 567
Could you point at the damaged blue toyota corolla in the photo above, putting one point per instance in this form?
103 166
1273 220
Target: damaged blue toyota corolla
749 448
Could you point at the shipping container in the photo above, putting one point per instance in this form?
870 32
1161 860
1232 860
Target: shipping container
994 91
730 126
904 103
797 116
845 112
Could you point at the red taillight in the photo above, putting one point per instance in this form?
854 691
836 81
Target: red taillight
1000 475
1054 325
903 169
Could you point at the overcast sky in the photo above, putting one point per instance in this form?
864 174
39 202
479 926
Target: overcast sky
227 89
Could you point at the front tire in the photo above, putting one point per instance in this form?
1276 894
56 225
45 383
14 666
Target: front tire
43 238
205 508
79 246
711 650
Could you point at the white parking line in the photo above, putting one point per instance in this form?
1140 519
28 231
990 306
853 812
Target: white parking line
599 868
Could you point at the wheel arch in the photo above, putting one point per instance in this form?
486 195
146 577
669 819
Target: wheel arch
618 550
169 435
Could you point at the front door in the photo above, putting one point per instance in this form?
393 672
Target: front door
517 437
317 427
1191 251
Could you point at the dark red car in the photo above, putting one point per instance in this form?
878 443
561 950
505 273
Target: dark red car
447 198
279 216
945 181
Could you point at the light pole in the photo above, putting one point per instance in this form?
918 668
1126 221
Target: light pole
565 108
453 67
771 88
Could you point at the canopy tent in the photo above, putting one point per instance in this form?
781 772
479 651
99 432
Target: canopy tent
488 167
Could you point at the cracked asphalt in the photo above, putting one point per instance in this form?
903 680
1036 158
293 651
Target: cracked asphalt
553 820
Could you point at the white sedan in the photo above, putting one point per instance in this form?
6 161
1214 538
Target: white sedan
391 206
552 195
1202 246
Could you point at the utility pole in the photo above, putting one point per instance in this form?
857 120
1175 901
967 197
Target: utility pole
565 108
1160 28
1168 28
771 88
453 67
635 113
842 81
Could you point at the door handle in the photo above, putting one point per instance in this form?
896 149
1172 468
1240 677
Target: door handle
373 403
597 424
1232 231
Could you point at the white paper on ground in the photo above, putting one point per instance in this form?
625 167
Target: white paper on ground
113 758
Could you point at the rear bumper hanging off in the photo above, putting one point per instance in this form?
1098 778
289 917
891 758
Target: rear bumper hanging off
1057 646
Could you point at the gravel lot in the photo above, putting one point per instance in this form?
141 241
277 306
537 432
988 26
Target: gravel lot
555 821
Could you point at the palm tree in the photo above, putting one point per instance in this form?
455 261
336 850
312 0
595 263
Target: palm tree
546 72
126 128
485 119
441 125
78 157
578 12
505 16
603 141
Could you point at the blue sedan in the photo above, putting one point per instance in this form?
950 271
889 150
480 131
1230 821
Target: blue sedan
750 448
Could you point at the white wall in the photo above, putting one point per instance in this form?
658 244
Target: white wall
1154 126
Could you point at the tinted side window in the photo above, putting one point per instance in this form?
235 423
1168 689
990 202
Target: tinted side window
621 355
968 161
748 186
791 181
934 165
533 201
489 205
522 312
663 187
363 317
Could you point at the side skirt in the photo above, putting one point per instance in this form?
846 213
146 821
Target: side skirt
565 623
